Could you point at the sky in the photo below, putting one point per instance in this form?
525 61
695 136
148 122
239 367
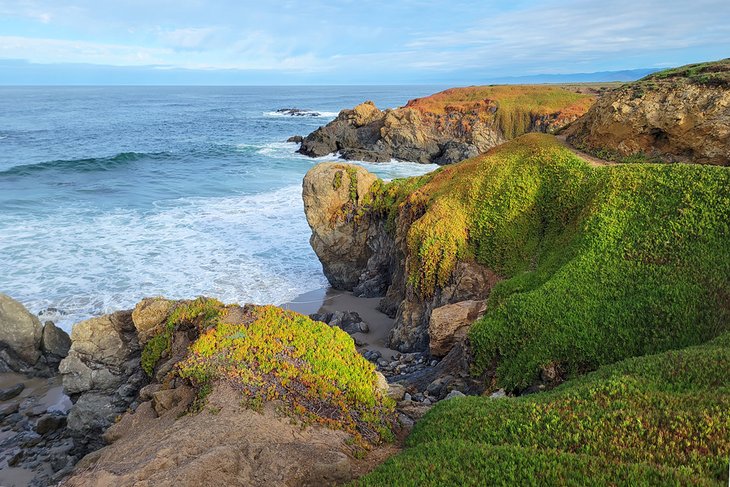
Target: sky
348 41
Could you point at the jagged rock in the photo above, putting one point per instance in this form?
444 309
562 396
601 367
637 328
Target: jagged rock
297 139
102 374
450 323
330 198
672 118
443 128
469 281
20 335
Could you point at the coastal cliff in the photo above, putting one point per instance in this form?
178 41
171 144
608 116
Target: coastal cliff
449 126
520 227
678 115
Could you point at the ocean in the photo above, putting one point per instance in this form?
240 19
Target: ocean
112 194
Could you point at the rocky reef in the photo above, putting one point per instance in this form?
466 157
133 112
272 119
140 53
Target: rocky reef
447 127
678 115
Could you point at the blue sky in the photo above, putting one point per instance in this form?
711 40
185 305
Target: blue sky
348 41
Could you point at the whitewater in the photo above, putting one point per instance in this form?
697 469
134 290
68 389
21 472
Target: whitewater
112 194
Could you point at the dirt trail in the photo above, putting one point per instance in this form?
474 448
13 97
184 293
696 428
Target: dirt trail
592 160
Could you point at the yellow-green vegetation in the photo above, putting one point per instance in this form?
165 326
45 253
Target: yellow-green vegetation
599 263
653 420
201 312
273 354
516 105
716 73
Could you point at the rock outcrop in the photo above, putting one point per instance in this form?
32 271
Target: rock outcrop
449 324
331 194
26 346
358 253
102 375
680 115
446 127
225 444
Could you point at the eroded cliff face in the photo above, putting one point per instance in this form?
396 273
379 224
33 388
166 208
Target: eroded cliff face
361 251
680 115
447 127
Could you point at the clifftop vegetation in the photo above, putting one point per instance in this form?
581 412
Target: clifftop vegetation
599 263
270 354
716 73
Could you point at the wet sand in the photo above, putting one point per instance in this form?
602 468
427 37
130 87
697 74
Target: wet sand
329 300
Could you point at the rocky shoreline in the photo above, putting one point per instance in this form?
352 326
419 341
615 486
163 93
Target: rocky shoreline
446 127
47 427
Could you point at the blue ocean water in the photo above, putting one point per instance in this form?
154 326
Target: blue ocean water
111 194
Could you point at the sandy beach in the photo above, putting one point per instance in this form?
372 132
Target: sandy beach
327 300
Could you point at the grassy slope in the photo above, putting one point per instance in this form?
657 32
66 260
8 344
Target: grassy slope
516 104
654 420
601 263
715 73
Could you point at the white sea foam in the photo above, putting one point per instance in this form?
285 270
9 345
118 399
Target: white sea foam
251 248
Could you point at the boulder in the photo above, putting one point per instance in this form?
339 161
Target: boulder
331 199
7 393
55 341
149 316
20 334
449 324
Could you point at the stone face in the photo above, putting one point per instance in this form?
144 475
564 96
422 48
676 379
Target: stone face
449 324
469 281
330 199
20 331
672 120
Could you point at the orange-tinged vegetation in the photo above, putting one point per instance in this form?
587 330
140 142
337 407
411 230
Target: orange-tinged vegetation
513 106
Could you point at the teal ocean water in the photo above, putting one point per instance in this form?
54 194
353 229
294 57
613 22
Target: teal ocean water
111 194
